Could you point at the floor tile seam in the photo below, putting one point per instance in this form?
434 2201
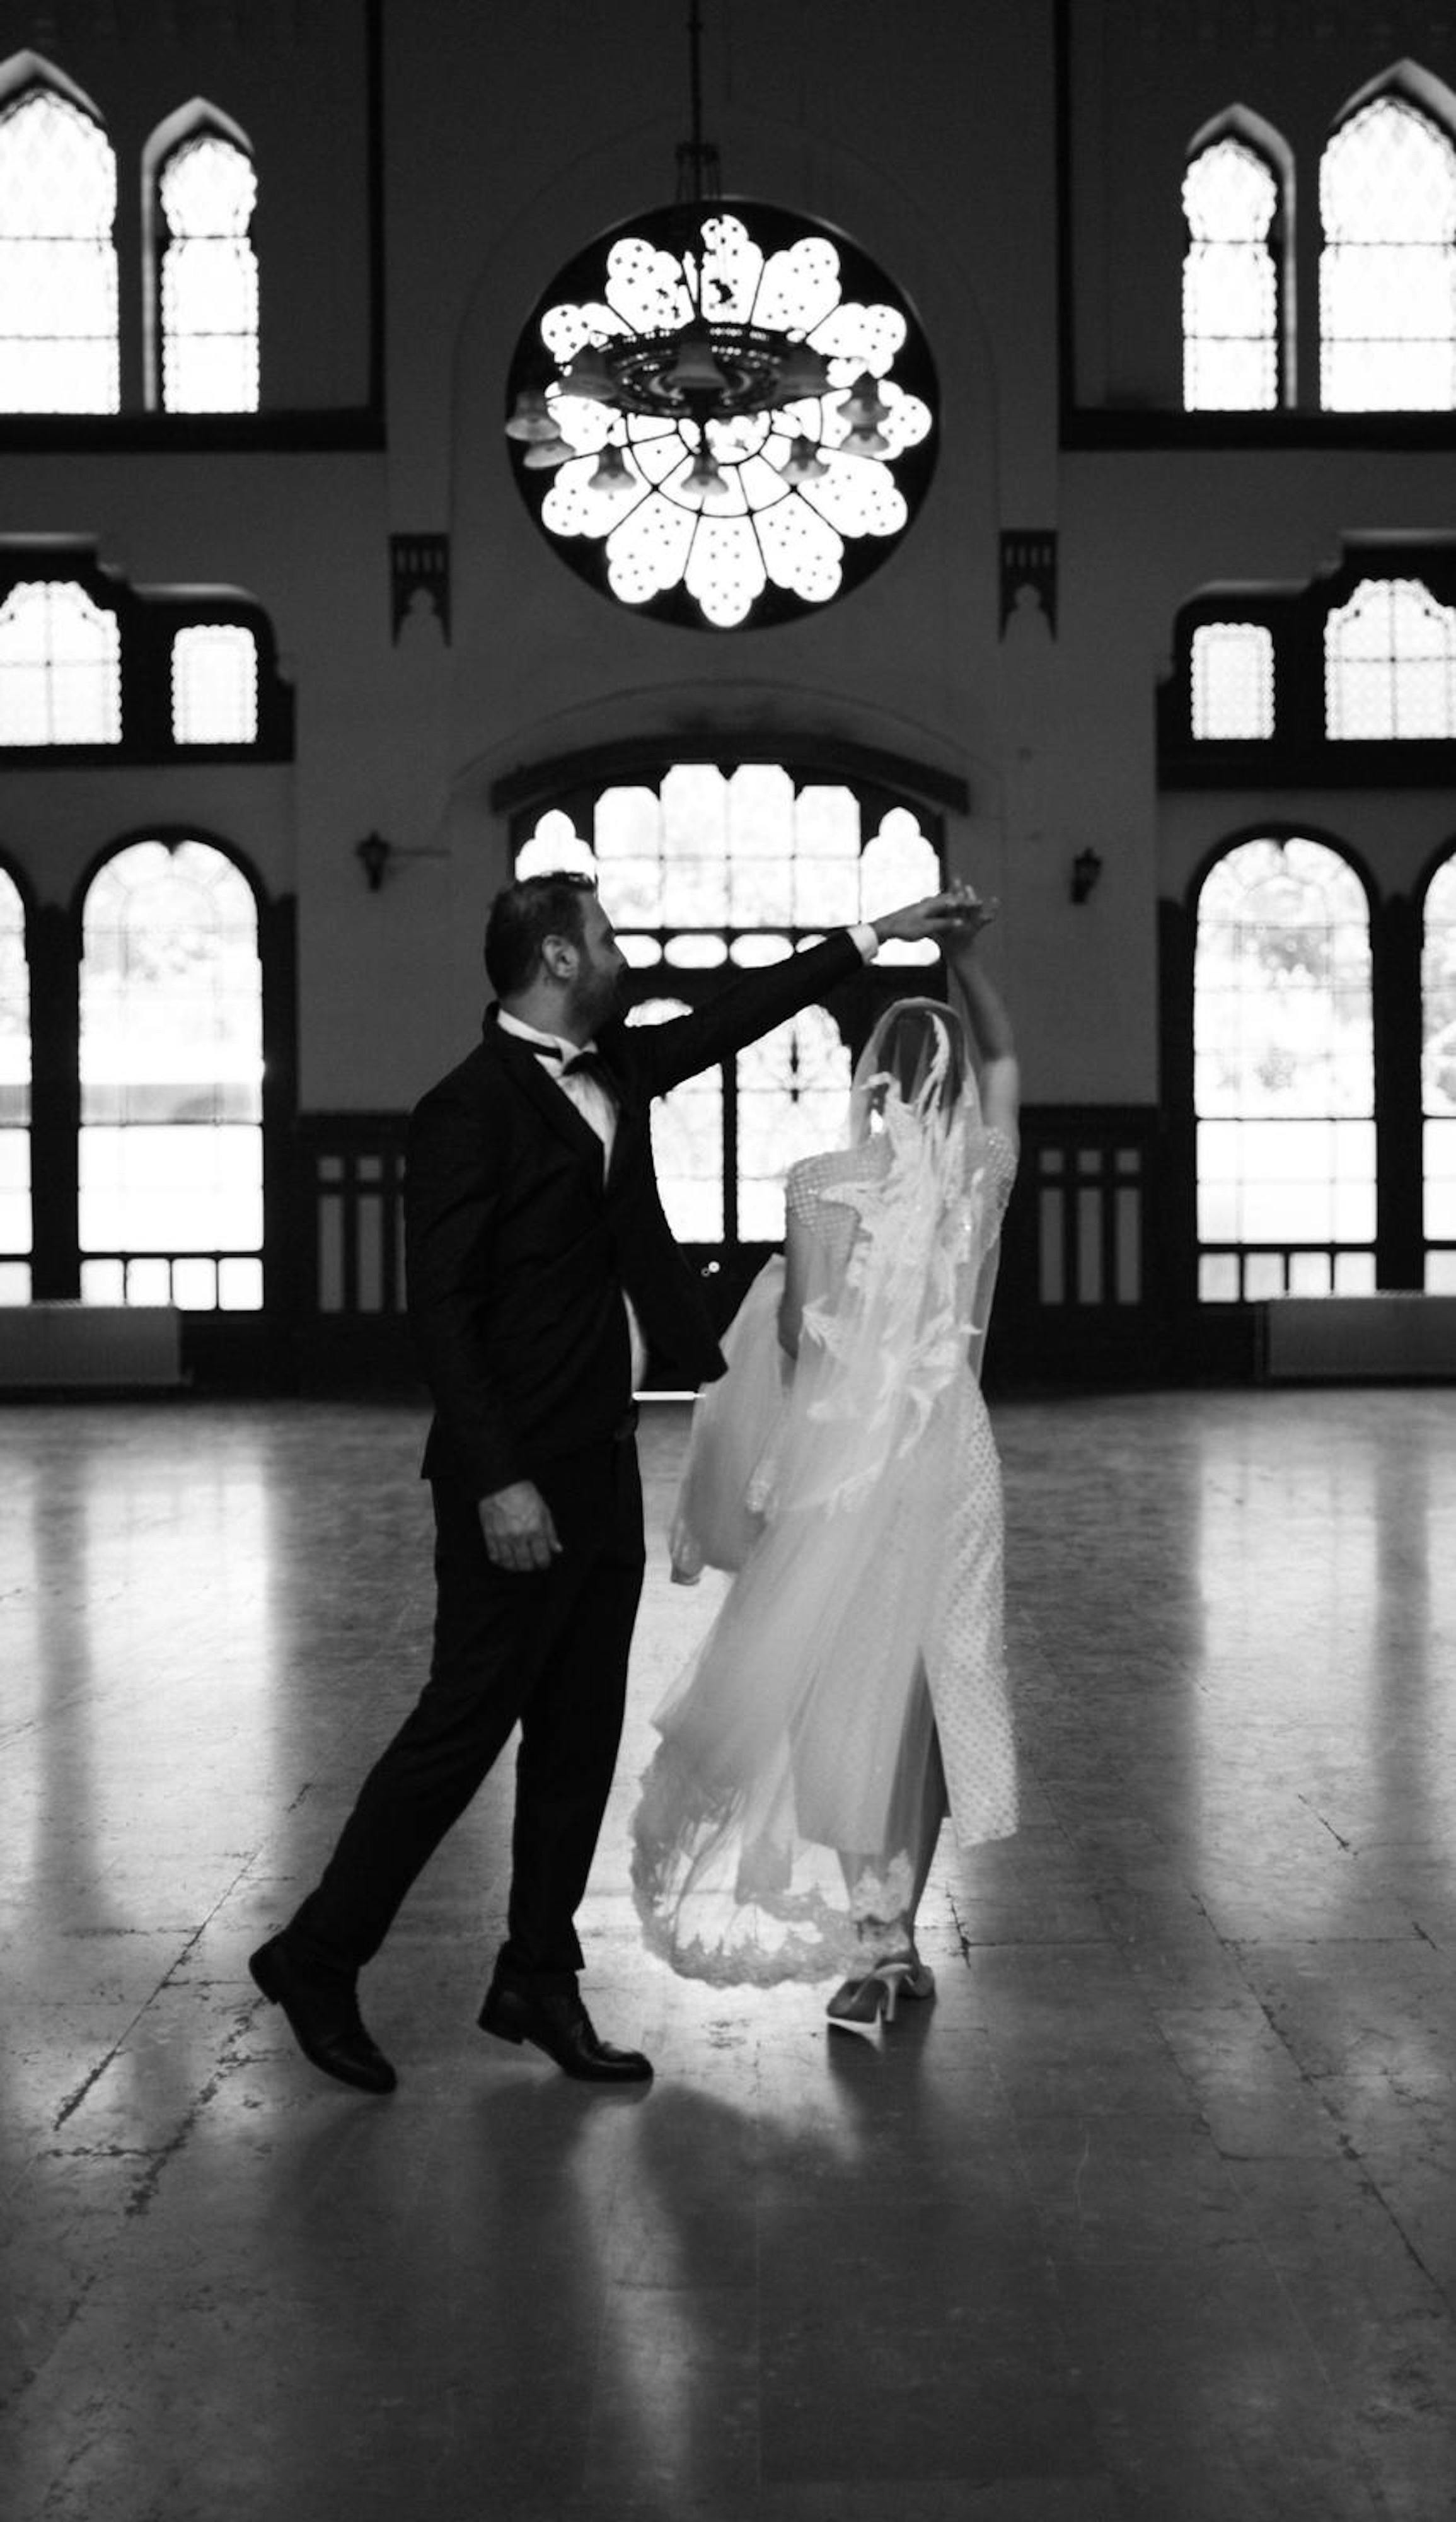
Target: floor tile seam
1345 2150
13 2401
72 2101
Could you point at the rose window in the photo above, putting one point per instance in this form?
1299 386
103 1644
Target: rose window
723 417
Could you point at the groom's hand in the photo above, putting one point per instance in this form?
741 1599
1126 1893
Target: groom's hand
517 1527
941 915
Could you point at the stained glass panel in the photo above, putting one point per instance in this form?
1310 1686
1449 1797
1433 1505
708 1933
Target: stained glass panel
214 685
1390 664
1387 270
1233 681
209 279
60 667
172 1062
1283 1069
1230 285
58 263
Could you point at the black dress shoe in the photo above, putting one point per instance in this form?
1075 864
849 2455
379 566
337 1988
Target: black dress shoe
556 2020
322 2016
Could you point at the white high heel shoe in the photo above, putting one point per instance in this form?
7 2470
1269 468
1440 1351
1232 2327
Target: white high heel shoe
879 1992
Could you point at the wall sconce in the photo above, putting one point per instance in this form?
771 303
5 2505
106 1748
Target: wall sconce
1086 868
376 856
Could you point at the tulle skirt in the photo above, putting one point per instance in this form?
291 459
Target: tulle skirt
850 1689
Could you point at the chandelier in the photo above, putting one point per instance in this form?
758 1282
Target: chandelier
703 367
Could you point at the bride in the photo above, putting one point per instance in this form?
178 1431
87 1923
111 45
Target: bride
851 1690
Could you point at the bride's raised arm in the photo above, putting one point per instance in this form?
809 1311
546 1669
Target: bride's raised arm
999 1076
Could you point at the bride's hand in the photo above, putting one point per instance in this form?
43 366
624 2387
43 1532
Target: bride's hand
941 915
969 914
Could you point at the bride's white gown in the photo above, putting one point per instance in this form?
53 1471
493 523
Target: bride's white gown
853 1682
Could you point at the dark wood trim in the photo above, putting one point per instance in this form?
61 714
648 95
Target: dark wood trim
375 155
1108 432
278 948
1066 377
345 430
55 1102
1400 1167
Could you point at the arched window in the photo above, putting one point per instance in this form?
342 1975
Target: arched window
1438 1076
58 263
1388 268
1283 1074
60 667
214 685
172 1082
1233 681
208 281
1390 664
1231 202
713 868
15 1099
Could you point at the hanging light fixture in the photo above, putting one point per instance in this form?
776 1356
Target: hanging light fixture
711 368
803 462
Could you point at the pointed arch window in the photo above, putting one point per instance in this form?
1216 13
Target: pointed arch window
1438 1078
57 260
172 1161
1231 315
711 868
60 667
1283 1074
206 190
1390 664
1388 267
15 1099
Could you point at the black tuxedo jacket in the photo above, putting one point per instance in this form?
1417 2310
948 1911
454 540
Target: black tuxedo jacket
517 1252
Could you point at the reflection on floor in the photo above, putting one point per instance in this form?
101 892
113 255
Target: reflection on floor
1150 2215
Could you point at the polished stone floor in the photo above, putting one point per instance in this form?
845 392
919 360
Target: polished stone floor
1150 2219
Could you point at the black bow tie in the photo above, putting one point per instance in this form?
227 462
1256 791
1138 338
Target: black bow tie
583 1063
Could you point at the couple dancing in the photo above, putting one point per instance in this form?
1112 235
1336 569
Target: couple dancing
850 1690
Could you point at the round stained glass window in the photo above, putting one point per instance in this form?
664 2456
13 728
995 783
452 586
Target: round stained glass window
760 516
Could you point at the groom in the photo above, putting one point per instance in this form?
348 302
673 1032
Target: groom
541 1273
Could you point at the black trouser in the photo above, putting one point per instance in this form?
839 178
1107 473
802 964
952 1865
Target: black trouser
549 1650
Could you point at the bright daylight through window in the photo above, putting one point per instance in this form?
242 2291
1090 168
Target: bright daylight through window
1284 1075
209 281
60 667
1438 1078
57 264
713 868
1230 286
1388 271
172 1082
1391 665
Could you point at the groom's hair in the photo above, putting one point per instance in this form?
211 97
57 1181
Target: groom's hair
523 915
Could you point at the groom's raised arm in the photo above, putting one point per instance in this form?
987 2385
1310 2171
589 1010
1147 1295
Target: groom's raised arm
665 1054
